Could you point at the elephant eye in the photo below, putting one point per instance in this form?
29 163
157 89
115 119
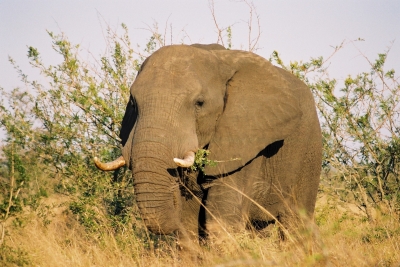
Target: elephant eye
199 103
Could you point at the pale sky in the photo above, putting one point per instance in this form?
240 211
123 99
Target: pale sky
297 29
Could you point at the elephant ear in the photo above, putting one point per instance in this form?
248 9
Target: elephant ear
127 129
260 109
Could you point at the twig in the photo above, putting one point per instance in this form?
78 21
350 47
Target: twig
11 195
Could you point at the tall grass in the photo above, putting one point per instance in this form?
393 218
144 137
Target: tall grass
342 238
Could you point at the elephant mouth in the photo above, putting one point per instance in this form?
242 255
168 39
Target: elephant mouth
186 162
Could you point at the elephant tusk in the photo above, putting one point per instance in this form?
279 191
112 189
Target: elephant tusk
110 166
187 161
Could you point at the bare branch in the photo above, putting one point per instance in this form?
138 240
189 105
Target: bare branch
211 6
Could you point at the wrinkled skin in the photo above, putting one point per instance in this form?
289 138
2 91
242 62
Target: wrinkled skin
259 120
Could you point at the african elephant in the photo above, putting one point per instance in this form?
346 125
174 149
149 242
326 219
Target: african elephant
258 121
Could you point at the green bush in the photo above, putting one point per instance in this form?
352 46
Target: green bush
361 130
61 122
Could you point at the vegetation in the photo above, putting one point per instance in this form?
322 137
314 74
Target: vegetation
360 127
57 209
201 160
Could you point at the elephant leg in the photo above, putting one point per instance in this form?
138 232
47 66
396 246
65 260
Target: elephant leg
224 209
190 216
293 216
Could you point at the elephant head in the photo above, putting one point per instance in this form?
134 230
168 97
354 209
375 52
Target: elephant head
185 98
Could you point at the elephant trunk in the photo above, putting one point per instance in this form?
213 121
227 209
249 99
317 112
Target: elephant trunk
158 202
156 186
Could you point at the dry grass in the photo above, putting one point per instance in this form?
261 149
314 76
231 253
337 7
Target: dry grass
52 237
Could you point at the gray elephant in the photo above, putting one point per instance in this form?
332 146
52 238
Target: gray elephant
259 123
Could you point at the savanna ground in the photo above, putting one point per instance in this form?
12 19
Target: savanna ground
52 236
57 209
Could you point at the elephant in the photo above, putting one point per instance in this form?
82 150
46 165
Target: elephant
259 123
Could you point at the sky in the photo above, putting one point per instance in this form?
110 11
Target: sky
298 30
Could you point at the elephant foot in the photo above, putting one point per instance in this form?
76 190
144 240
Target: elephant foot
187 245
222 237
